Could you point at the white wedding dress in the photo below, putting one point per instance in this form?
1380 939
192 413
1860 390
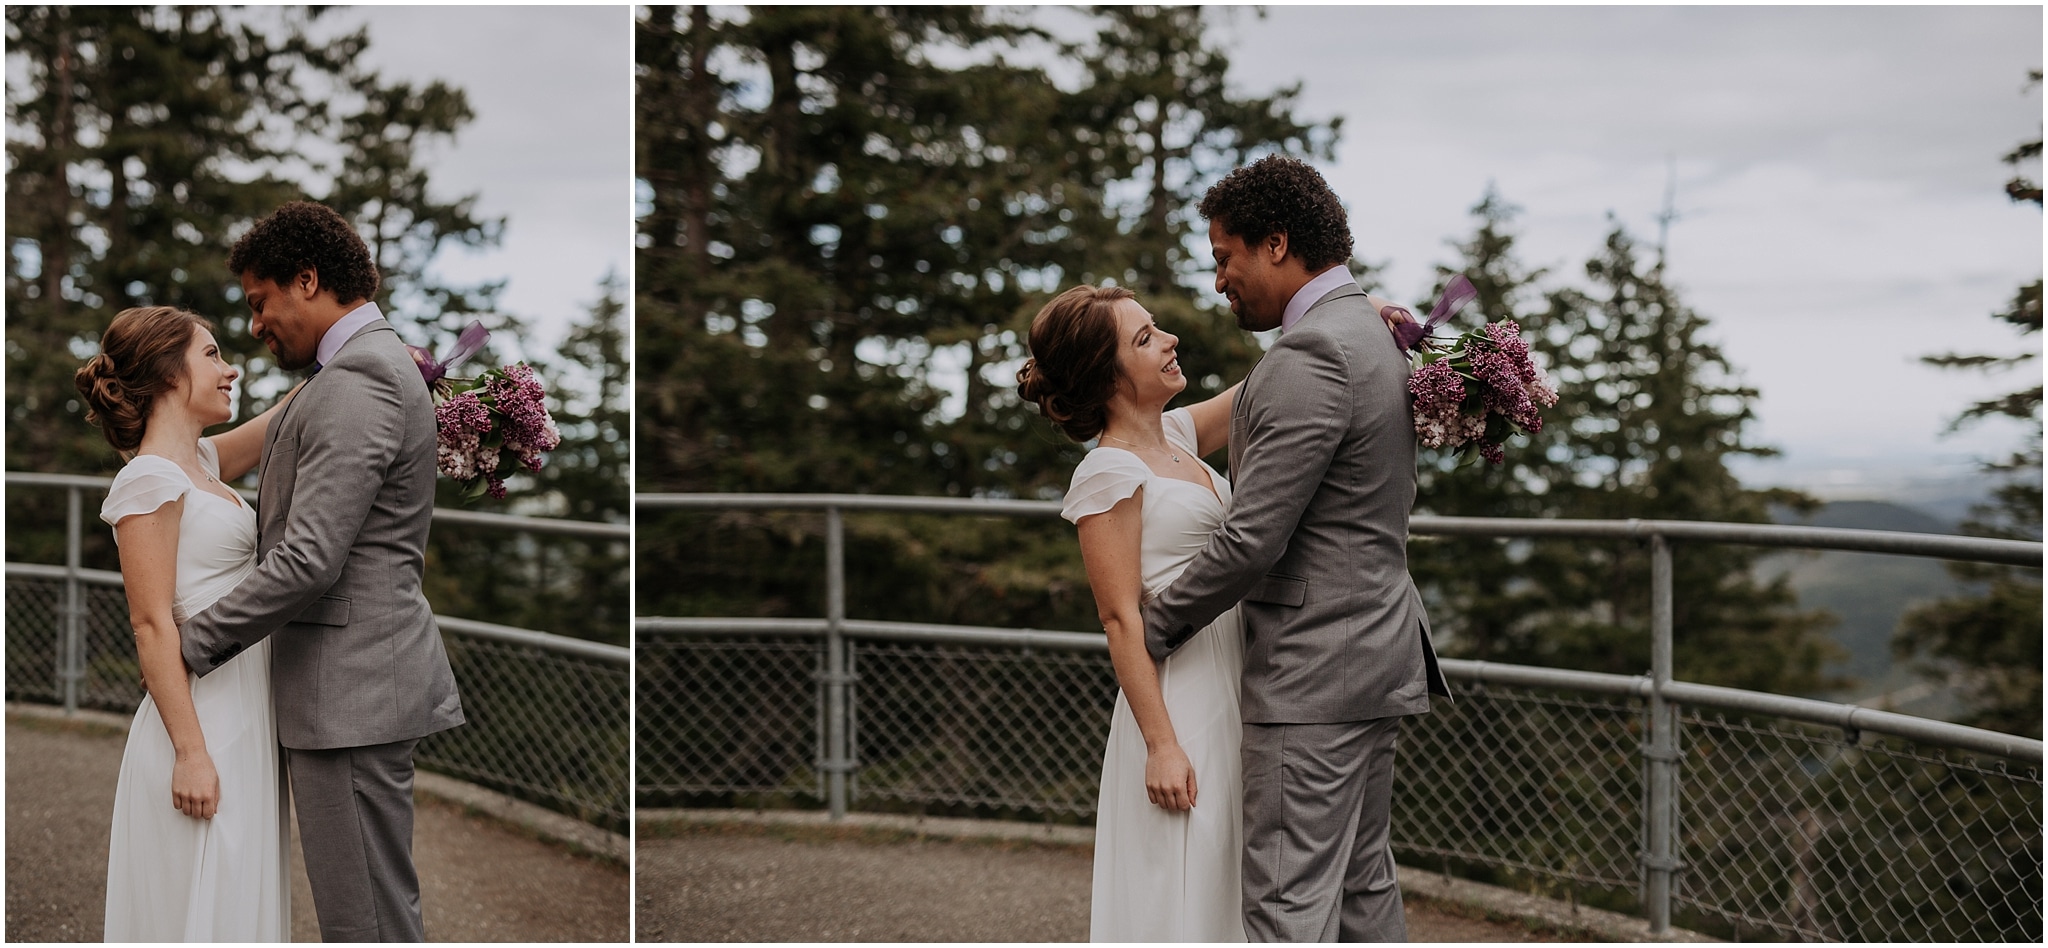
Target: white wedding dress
171 877
1160 875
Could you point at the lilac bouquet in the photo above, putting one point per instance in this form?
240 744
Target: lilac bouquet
489 426
1477 392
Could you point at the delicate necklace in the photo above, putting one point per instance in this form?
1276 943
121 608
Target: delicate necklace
210 479
1169 450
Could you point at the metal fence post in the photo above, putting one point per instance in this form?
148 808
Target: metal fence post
837 760
1660 821
70 660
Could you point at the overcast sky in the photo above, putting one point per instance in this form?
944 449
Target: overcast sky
550 148
1839 189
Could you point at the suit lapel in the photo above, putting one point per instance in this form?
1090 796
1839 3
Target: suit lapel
270 436
1240 407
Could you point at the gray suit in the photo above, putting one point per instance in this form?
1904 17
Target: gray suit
358 672
1322 452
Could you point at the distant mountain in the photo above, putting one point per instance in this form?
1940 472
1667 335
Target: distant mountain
1868 515
1869 592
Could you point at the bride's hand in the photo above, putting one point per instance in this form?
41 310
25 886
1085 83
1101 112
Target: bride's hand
195 786
1170 778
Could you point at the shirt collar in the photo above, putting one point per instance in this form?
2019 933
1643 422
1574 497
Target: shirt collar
345 327
1316 288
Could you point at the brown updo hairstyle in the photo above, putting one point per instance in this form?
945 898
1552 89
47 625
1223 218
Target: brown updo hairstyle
142 355
1072 372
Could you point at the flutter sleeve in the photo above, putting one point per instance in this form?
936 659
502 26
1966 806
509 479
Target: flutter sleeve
148 482
1104 478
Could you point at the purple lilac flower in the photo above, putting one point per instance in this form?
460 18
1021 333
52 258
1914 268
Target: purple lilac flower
1507 338
1503 389
522 400
507 403
464 412
1436 384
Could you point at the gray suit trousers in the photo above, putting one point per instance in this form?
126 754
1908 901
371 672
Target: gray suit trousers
355 823
1317 860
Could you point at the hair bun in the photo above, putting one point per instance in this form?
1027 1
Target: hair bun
110 404
142 355
1072 372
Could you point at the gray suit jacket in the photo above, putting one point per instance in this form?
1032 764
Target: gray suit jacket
343 506
1322 458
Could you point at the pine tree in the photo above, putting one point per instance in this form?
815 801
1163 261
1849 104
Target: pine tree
381 185
1648 414
1995 636
569 586
143 142
141 139
824 232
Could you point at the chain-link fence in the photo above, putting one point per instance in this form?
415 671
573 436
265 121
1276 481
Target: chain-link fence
1733 812
548 717
1787 830
1801 833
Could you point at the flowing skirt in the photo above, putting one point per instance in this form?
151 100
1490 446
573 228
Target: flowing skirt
171 877
1165 876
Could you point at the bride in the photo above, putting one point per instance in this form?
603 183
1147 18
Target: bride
211 865
1168 820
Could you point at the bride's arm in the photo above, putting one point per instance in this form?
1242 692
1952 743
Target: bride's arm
1110 544
241 447
149 557
1212 420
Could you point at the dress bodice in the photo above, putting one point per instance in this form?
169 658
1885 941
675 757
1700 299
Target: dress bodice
1178 516
216 536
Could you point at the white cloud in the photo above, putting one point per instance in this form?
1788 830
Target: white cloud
1838 179
550 148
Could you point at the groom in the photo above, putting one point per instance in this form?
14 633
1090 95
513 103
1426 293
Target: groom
1337 650
358 674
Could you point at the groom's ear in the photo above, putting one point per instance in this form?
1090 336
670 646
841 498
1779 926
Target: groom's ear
1275 247
306 285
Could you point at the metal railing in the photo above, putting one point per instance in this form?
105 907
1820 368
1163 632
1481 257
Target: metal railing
548 715
1795 827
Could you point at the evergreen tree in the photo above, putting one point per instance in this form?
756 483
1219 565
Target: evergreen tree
140 141
380 185
1995 636
565 585
825 233
1648 414
1482 590
144 140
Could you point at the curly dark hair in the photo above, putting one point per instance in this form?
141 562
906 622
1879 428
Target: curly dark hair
303 236
1072 372
1281 195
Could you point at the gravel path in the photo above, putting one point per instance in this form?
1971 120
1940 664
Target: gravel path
730 883
480 880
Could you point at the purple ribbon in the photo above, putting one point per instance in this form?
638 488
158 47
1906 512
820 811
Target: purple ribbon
1410 333
472 339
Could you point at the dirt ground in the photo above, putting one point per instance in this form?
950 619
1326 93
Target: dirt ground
731 883
480 880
